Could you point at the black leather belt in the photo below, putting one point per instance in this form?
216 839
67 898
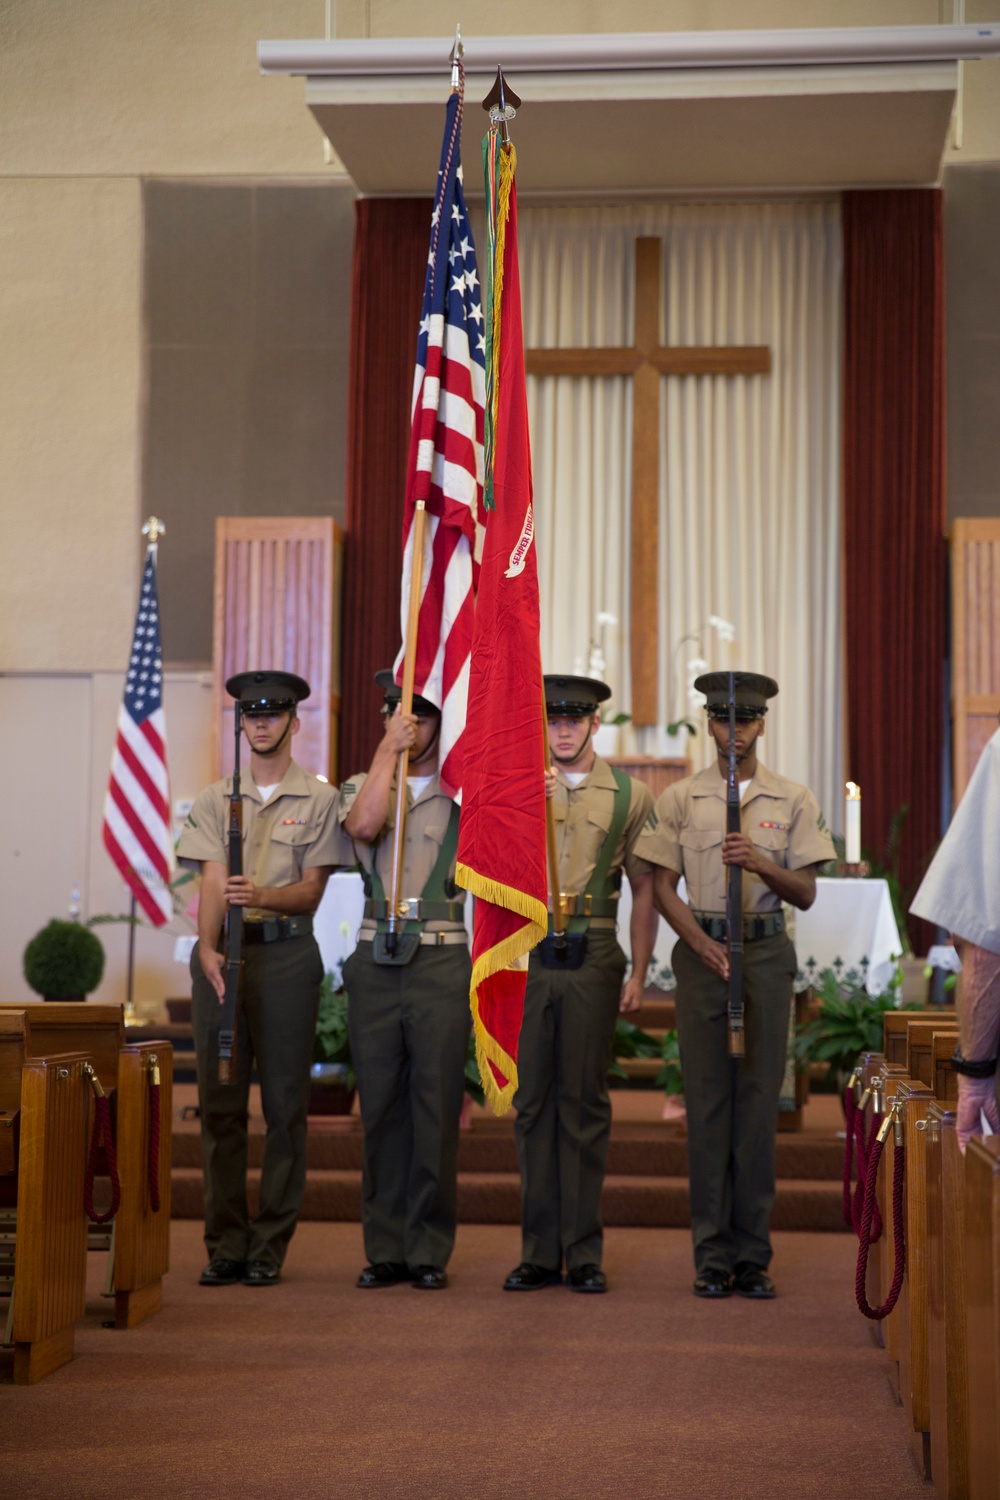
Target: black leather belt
754 928
276 929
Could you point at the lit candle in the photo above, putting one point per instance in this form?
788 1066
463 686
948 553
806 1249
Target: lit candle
852 824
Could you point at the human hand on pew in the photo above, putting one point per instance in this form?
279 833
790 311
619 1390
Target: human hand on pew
975 1096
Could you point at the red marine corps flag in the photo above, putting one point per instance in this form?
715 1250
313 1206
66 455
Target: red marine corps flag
501 848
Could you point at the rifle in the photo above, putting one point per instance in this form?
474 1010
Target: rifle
234 919
734 892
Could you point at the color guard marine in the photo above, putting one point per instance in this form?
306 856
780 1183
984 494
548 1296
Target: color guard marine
576 988
732 1102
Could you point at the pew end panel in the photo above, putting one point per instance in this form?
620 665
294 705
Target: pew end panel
982 1289
142 1234
946 1352
50 1254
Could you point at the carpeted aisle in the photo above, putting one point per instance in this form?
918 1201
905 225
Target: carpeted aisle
316 1391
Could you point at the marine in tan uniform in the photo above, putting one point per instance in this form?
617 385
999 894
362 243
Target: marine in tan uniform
291 840
732 1104
408 1011
563 1109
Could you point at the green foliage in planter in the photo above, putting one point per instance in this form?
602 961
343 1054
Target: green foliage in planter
332 1044
64 961
849 1023
669 1078
630 1041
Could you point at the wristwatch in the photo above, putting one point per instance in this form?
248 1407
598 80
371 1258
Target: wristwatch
973 1068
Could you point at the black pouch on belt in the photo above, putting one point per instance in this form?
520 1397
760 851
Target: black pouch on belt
407 944
569 955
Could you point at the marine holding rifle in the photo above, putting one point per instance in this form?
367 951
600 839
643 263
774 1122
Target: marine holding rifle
772 852
272 876
574 993
408 999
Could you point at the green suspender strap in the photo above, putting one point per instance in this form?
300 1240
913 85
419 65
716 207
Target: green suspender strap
436 898
600 888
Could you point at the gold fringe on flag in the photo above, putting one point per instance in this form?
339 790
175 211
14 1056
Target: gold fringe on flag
504 955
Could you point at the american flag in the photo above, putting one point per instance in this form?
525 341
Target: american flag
137 806
446 457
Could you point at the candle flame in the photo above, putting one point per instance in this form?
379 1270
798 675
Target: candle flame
853 791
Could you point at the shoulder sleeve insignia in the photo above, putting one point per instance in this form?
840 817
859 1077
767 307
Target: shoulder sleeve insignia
348 789
821 823
652 822
190 822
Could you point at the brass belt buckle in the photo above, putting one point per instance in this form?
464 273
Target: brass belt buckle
409 908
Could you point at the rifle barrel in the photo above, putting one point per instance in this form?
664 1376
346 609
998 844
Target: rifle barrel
734 892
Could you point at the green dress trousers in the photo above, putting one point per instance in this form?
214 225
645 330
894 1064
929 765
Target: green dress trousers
275 1029
563 1108
732 1104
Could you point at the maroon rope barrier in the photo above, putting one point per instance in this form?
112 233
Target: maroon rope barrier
101 1133
861 1277
864 1151
850 1110
154 1140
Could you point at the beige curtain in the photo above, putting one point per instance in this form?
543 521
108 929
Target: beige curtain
750 466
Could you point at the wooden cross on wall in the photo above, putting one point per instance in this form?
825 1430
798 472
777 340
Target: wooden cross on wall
646 361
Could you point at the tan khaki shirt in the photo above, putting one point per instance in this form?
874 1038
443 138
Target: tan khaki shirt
583 816
427 821
781 817
296 830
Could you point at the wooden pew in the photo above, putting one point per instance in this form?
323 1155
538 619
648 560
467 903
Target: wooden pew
41 1199
139 1243
982 1291
926 1059
914 1099
948 1384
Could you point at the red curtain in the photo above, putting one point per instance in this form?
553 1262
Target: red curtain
894 516
390 261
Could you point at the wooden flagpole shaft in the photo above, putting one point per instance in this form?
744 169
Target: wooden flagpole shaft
555 884
406 707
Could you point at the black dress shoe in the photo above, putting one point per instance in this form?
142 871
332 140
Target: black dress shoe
714 1284
429 1278
587 1279
383 1273
529 1278
261 1273
221 1272
752 1282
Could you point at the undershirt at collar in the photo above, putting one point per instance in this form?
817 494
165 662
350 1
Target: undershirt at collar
418 785
575 777
743 787
265 791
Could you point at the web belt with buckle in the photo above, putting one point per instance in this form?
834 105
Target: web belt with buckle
276 929
754 928
415 909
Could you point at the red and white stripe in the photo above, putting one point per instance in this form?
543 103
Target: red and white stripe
137 831
446 471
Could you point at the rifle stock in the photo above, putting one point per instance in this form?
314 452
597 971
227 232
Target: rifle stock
234 922
734 892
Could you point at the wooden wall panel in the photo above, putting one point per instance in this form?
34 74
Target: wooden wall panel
277 608
975 642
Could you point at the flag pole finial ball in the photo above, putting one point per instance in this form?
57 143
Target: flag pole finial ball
154 528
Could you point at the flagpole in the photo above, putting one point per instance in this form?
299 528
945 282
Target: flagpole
555 884
130 1015
406 707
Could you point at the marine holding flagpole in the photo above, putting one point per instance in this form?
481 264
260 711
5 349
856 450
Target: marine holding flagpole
408 980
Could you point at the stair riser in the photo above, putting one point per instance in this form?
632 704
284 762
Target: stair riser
633 1205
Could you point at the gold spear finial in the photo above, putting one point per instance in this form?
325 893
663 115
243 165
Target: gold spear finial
154 528
456 55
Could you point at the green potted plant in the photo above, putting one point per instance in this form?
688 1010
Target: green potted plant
849 1022
64 961
332 1079
630 1042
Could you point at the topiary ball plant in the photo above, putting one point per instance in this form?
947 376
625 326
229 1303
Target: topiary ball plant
64 961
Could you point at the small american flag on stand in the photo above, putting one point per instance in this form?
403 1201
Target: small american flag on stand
137 807
445 466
